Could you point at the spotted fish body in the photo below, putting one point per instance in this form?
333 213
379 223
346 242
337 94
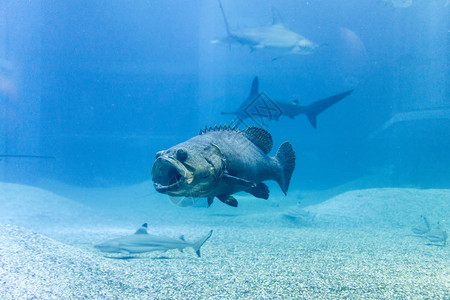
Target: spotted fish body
221 161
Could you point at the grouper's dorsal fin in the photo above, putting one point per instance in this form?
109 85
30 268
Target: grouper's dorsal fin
260 137
142 229
219 128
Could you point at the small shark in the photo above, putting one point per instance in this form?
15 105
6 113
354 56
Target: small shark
423 228
275 36
261 106
437 236
141 242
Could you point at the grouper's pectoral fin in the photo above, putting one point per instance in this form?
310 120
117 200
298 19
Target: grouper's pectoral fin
229 200
238 181
260 190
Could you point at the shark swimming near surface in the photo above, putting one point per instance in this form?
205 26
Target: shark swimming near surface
259 106
141 242
275 36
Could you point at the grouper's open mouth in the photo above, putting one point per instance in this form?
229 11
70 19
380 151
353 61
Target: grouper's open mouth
168 174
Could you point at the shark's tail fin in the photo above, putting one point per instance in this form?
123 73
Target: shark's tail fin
225 19
286 158
315 108
196 245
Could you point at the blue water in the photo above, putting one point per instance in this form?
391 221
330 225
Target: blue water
91 90
102 86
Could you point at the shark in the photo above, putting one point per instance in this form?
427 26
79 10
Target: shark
437 236
259 106
275 36
141 241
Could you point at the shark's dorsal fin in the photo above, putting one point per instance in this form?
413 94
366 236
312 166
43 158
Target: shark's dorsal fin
255 88
142 229
182 238
276 17
260 137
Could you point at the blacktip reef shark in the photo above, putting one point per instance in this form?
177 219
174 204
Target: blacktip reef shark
275 36
141 242
436 236
260 106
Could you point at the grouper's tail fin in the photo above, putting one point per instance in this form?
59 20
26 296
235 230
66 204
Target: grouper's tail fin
286 158
196 245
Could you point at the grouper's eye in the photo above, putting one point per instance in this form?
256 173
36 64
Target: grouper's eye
182 155
159 153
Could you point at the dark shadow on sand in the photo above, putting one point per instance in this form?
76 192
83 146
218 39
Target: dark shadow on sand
223 215
123 257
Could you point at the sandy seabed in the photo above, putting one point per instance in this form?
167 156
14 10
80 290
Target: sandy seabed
358 245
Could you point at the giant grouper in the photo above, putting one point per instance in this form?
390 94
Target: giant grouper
221 161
